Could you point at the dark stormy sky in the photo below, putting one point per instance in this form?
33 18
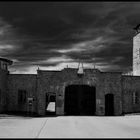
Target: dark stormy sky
52 35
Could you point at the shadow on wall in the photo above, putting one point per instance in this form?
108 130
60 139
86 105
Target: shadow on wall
24 115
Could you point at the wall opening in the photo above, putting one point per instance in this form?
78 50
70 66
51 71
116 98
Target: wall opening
109 104
80 100
22 100
50 103
135 98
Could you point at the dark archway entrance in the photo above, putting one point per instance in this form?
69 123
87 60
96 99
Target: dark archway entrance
50 103
109 104
80 100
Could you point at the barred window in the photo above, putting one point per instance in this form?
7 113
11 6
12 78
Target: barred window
135 97
22 96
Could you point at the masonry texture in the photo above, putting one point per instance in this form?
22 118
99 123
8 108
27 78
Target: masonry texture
37 86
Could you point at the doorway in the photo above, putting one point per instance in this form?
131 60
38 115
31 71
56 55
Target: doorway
109 104
80 100
50 103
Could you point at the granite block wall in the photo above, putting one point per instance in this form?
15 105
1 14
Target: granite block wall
3 89
17 82
57 81
130 84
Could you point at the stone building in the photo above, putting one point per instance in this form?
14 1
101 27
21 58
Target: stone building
74 91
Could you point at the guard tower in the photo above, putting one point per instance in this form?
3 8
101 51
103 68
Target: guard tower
4 63
136 51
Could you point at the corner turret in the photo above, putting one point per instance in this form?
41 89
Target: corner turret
4 63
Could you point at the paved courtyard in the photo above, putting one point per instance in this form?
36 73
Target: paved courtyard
70 127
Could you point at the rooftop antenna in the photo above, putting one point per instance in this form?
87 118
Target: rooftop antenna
79 63
93 64
38 68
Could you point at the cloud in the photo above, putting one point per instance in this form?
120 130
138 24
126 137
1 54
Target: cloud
94 45
58 59
53 34
5 49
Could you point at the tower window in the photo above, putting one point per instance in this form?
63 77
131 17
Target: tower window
138 53
5 66
135 98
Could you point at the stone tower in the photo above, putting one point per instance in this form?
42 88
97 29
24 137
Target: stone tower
3 82
136 52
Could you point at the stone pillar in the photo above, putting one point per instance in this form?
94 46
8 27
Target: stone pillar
100 100
41 97
60 99
117 105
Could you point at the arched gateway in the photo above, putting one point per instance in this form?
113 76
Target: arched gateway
80 100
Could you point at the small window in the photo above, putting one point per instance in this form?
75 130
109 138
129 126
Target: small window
138 53
22 96
135 98
5 66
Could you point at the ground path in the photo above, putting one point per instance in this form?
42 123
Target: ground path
70 127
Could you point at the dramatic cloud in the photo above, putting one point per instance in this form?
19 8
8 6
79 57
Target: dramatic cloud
52 35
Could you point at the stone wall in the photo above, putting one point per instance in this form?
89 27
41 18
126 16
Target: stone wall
91 77
26 82
44 82
48 81
130 84
3 89
57 81
110 82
